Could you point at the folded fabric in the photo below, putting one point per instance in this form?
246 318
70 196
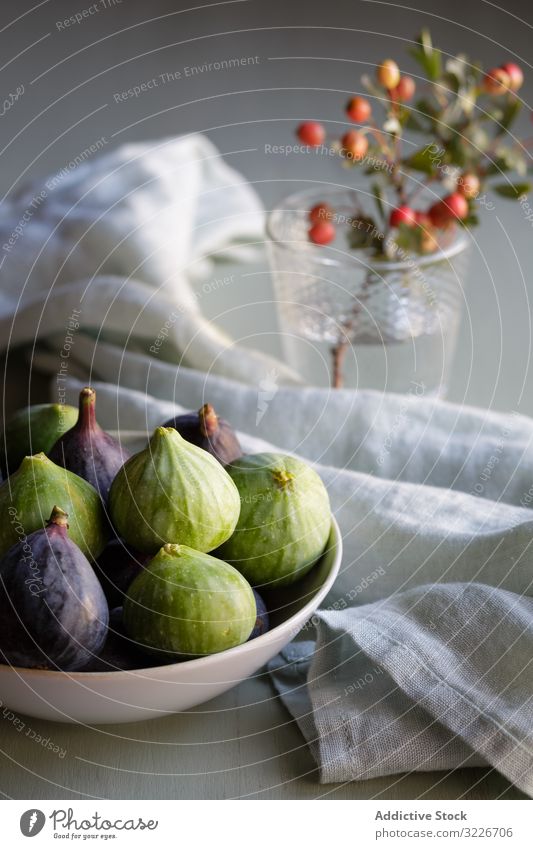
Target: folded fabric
435 678
116 243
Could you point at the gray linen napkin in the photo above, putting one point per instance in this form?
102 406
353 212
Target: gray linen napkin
437 677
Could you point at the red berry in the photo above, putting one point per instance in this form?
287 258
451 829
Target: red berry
320 212
496 82
402 215
354 145
322 233
405 89
439 214
388 74
359 110
515 74
457 204
311 133
422 219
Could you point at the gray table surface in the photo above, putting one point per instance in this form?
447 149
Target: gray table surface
240 745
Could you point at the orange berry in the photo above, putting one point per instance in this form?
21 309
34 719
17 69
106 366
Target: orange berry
405 89
388 74
320 212
402 215
515 75
449 208
354 145
428 241
496 82
359 110
468 185
422 219
311 133
322 233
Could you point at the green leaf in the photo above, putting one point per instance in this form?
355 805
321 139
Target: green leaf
458 67
360 232
511 190
451 82
478 139
411 122
408 238
508 159
425 41
427 56
427 159
425 109
456 151
470 221
510 113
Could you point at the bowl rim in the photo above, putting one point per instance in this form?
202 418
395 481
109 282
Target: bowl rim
210 659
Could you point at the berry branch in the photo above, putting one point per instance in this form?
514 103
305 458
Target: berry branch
458 127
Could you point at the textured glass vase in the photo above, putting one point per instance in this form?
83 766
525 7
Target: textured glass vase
348 318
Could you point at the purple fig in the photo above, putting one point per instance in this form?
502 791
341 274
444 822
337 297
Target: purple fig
262 622
89 451
116 568
206 430
119 651
53 611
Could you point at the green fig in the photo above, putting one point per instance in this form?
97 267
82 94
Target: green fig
34 429
188 603
285 519
29 495
173 492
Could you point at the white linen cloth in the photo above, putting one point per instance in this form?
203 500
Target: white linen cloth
120 238
426 493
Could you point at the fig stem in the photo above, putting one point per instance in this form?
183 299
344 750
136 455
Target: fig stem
58 517
282 478
87 408
208 420
172 548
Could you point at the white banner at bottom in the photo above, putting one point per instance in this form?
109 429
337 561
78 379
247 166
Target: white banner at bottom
267 824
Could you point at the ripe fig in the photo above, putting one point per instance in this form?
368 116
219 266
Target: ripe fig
89 451
189 603
285 519
206 430
173 491
119 651
262 621
116 568
52 608
28 496
34 429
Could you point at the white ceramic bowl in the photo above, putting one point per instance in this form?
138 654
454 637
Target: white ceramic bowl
129 696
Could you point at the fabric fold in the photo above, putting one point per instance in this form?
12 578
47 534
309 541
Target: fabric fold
436 678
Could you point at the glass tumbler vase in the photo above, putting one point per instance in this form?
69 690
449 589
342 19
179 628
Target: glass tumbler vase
349 319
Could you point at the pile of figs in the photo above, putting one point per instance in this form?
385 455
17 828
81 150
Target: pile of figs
110 561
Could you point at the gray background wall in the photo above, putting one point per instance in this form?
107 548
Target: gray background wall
80 68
